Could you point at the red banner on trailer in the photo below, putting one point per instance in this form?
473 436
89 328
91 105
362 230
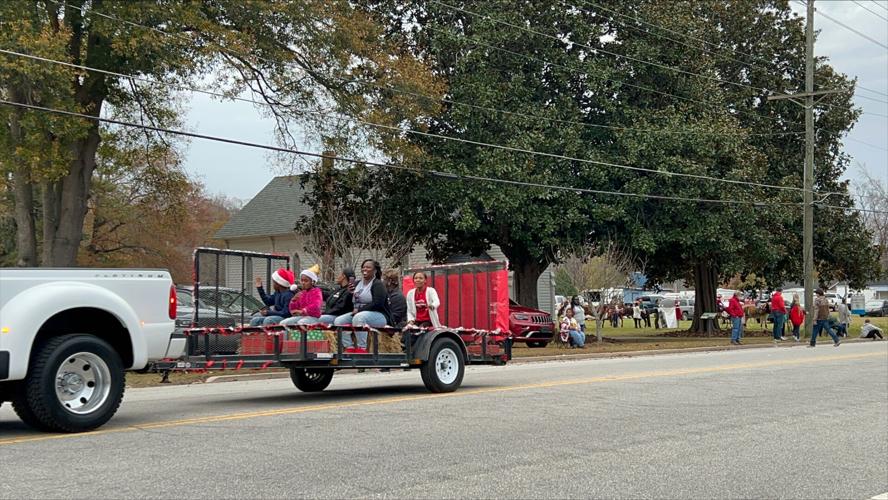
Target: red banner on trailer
473 294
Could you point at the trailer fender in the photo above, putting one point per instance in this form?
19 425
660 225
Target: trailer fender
423 344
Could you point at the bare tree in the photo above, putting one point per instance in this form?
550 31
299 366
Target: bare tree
873 195
605 268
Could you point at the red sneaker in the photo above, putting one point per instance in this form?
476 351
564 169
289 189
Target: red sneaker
349 349
360 350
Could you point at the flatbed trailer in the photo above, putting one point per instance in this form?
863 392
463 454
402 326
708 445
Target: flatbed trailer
440 354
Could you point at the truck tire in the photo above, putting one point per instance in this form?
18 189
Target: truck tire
75 383
311 379
444 370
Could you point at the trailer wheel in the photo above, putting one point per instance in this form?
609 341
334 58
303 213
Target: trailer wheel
311 379
444 370
75 384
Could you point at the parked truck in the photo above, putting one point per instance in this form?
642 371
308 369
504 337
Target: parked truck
67 336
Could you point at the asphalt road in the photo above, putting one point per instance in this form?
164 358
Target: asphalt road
754 423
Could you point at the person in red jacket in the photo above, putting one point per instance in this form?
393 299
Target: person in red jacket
796 316
735 311
778 312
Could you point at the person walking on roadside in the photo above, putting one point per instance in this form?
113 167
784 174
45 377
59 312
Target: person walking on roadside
821 319
778 312
796 317
844 318
735 311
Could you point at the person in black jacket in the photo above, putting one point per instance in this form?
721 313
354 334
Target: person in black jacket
369 298
340 301
396 302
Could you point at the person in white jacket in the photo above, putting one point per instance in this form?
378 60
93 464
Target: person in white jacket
422 303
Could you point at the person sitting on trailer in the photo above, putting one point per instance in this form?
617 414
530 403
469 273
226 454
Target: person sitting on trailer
278 303
305 308
369 297
423 303
395 303
340 301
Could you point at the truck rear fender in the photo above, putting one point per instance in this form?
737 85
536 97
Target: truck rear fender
51 309
423 344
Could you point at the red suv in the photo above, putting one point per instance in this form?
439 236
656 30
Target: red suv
530 325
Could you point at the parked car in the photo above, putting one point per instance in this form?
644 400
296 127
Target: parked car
687 308
216 307
876 308
530 325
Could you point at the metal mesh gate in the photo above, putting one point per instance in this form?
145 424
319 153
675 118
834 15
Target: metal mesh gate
224 292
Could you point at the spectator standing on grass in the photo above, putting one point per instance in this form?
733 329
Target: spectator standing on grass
796 317
821 319
636 314
579 312
844 318
778 312
870 331
735 311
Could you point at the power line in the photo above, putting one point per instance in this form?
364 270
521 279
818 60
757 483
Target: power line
866 143
880 5
871 11
450 101
437 173
449 138
596 49
849 28
370 84
691 37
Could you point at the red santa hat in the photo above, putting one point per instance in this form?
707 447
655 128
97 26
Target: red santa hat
283 277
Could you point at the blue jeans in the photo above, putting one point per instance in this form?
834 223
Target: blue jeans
779 320
577 338
300 320
736 328
372 319
259 320
327 319
820 325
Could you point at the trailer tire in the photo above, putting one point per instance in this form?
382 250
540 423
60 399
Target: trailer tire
311 379
444 370
75 384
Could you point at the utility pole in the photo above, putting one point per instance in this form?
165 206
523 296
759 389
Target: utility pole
808 195
808 189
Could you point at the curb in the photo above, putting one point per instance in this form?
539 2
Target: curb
562 357
658 352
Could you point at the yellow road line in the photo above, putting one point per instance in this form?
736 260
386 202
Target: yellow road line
472 392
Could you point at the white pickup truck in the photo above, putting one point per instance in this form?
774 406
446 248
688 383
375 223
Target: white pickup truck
68 335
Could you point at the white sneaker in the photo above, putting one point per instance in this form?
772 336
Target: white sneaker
783 338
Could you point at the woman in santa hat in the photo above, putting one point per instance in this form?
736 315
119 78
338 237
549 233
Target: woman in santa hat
278 303
305 308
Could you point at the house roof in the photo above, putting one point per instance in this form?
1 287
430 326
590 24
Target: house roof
274 211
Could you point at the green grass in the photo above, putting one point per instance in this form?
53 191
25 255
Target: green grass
628 330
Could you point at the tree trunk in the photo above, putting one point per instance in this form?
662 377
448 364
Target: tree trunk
70 196
527 273
705 288
25 225
23 196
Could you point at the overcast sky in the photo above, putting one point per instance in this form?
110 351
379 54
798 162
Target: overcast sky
240 172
